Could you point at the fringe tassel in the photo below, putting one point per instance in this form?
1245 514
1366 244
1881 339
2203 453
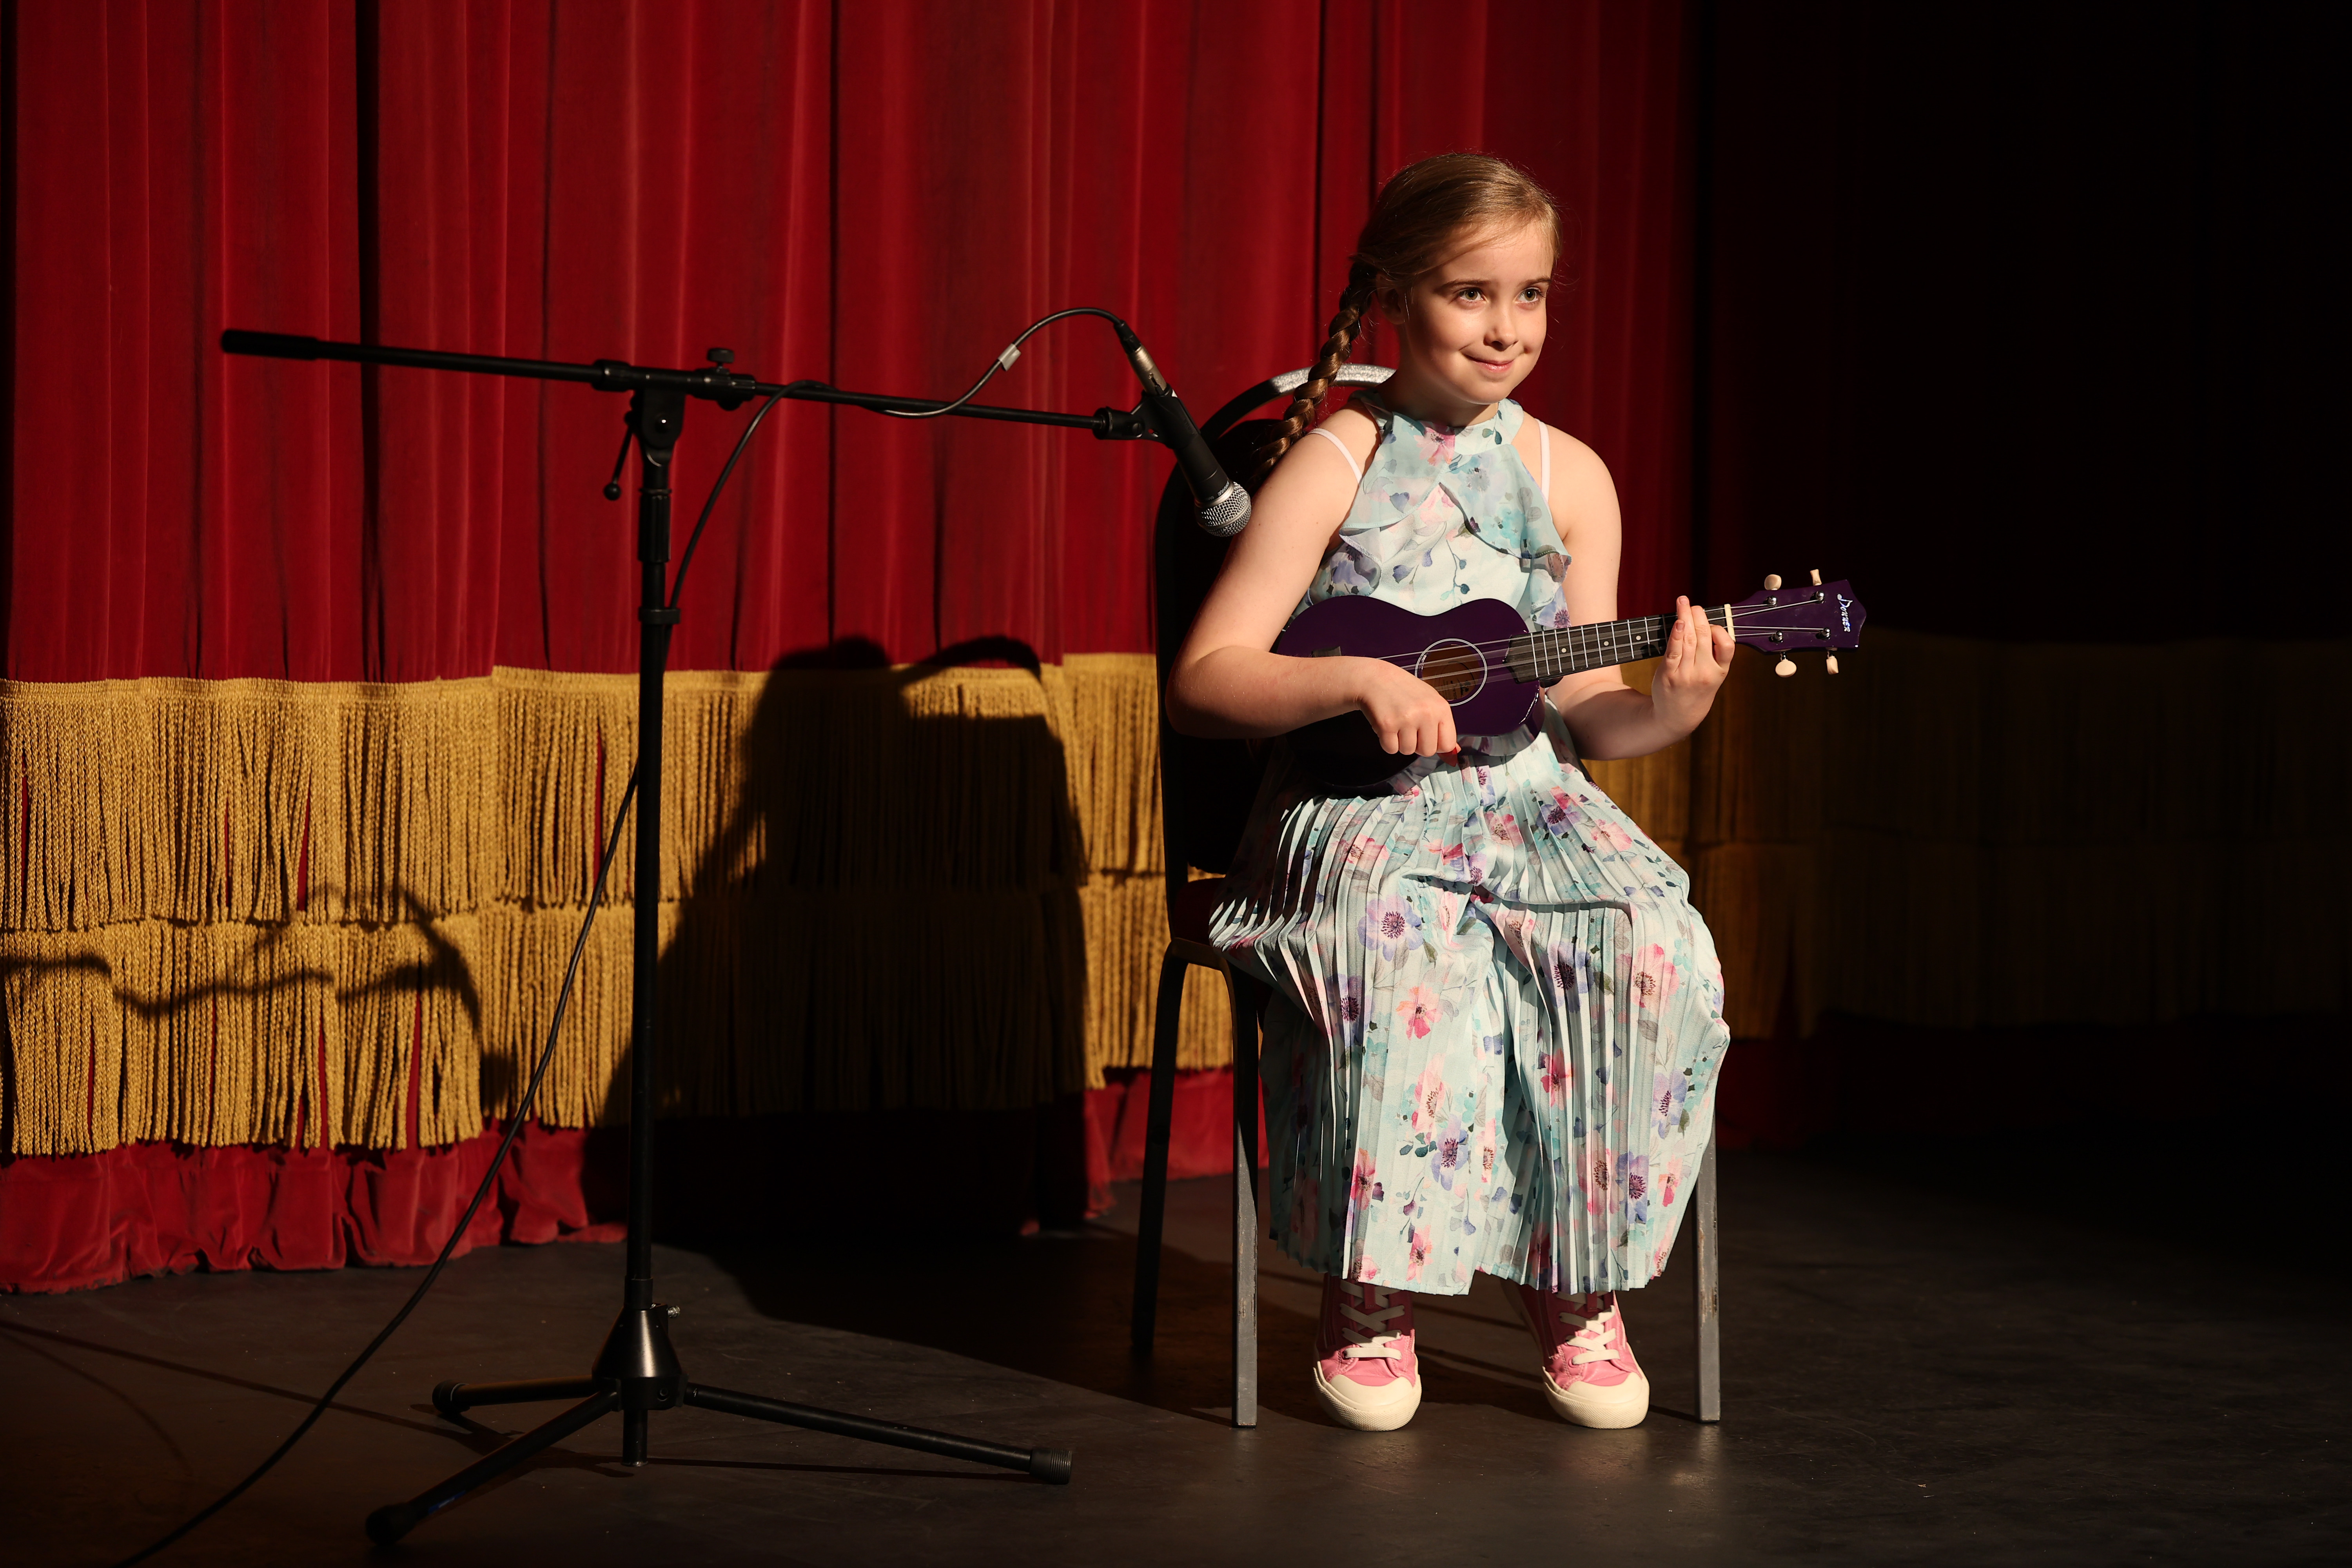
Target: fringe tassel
1127 934
208 1035
1115 763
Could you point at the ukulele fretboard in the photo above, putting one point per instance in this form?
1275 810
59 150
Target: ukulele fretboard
1547 654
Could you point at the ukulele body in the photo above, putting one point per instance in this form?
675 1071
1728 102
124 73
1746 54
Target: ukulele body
1485 660
1466 649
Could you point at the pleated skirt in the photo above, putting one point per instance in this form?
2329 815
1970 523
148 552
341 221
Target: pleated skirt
1496 1031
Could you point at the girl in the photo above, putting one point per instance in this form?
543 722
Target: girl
1496 1019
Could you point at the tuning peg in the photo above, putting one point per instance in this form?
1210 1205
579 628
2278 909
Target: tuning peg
1817 577
1772 581
1832 663
1786 666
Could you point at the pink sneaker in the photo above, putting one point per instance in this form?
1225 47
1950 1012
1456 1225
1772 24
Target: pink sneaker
1590 1374
1365 1368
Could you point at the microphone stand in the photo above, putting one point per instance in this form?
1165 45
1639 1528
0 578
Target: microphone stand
637 1372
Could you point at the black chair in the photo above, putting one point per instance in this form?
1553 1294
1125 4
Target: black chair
1206 788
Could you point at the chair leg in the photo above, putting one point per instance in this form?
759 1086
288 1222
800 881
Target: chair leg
1706 1286
1166 1021
1245 1101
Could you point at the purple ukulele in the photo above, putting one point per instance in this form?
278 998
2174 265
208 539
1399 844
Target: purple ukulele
1493 668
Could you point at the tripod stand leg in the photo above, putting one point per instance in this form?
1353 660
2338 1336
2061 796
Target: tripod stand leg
390 1522
449 1399
1046 1464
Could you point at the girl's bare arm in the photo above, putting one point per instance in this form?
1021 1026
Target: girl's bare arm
1226 683
1608 717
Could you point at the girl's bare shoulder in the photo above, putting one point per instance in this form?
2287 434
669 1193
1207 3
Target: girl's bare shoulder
1581 491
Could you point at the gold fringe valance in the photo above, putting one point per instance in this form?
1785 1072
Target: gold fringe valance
255 911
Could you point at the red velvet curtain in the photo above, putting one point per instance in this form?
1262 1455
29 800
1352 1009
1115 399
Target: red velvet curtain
880 196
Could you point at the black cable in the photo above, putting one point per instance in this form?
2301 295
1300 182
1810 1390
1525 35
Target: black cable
529 1093
1004 361
514 1126
686 557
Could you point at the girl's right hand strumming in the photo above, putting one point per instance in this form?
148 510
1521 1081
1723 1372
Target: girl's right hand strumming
1409 714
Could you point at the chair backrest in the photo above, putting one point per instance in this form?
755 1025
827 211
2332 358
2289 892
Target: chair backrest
1206 786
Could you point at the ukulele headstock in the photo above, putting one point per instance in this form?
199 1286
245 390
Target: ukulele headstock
1816 616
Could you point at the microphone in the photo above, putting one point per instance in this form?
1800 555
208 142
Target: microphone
1224 505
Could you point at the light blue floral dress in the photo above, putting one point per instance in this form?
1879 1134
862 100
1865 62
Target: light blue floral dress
1498 1020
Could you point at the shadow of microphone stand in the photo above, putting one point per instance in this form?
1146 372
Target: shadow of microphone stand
637 1372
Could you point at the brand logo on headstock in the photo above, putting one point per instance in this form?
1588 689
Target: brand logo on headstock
1845 619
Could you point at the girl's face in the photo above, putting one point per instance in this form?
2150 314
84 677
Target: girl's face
1469 332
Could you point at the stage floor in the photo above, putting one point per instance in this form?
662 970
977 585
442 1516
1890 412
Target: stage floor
1911 1376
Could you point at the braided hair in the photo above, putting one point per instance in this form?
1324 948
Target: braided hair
1339 347
1424 213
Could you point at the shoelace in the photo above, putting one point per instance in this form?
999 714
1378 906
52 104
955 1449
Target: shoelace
1593 1335
1363 1328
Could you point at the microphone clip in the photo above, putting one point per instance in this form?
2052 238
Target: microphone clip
1125 425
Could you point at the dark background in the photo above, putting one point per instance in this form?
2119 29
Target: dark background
2031 313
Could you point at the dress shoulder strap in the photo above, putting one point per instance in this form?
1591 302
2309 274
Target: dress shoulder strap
1346 455
1543 444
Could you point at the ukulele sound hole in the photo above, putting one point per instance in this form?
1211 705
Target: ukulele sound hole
1455 668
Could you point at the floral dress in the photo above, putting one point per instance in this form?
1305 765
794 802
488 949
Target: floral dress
1498 1020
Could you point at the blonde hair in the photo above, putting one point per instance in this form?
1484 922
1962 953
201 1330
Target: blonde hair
1423 213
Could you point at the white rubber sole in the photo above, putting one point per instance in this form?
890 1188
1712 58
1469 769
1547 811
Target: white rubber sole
1381 1409
1583 1405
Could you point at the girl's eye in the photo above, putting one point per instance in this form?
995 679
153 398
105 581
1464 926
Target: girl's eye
1532 295
1471 296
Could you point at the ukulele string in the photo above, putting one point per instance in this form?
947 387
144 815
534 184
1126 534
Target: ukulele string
1644 629
1452 665
1639 630
1648 622
1646 625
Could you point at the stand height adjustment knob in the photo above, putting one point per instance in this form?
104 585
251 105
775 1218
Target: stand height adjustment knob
721 356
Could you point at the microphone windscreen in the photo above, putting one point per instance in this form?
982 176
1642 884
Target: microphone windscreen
1229 513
